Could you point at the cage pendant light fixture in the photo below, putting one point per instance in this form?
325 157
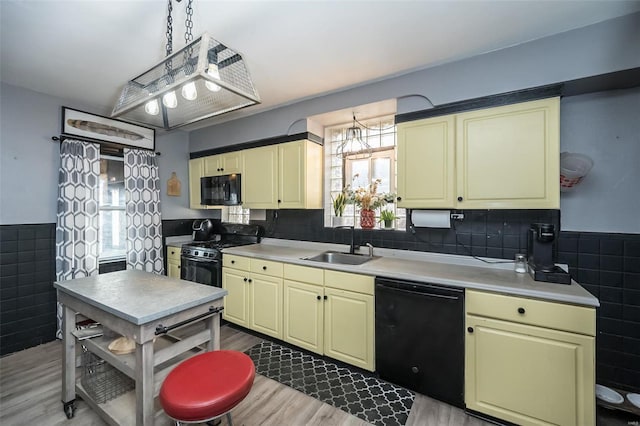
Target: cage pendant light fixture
353 146
202 80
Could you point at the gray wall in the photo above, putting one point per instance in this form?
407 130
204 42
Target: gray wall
606 127
597 49
29 159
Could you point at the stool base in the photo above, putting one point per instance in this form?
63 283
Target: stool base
210 422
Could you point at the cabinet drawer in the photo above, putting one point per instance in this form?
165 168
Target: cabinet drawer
304 274
173 253
553 315
266 267
237 262
350 282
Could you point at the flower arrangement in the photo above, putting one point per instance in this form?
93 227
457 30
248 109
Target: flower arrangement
368 198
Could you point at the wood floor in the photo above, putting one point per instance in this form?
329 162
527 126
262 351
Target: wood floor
30 386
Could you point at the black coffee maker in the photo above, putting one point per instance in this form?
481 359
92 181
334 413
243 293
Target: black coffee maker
541 239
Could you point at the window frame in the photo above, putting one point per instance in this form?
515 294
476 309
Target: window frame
110 208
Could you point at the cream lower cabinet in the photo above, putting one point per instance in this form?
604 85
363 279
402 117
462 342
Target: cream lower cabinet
331 315
529 362
254 300
506 157
173 261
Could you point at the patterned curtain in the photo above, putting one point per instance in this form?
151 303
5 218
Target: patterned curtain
78 215
144 226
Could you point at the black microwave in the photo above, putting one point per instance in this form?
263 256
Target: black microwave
222 190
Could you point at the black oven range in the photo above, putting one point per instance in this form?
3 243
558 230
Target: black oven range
201 261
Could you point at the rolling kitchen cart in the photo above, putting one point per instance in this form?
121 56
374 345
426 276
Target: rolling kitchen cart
143 307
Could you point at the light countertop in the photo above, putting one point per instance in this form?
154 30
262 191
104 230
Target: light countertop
139 297
436 268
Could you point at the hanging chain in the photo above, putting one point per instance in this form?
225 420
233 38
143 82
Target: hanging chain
169 47
188 37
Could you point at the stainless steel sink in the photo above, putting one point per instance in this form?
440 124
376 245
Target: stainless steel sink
340 258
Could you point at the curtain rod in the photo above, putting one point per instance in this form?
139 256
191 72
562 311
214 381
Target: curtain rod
63 137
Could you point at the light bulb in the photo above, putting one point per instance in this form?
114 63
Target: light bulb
189 91
152 107
215 73
170 100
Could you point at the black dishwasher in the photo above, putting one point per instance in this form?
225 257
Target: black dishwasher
420 338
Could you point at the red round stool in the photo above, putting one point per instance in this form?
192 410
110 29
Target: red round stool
207 386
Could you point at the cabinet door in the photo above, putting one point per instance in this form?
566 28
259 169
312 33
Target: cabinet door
300 175
509 157
265 305
260 178
173 269
426 160
231 162
196 171
529 375
348 327
303 315
236 303
212 165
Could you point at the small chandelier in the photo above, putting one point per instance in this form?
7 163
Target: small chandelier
202 80
353 146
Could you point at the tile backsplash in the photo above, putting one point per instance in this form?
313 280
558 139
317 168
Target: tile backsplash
607 265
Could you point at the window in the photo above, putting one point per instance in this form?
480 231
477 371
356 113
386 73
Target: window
380 133
112 224
235 214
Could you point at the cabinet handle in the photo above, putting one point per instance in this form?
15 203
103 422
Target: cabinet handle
173 252
249 280
279 201
399 198
264 268
470 329
222 169
460 198
521 311
233 261
319 298
178 266
245 280
325 297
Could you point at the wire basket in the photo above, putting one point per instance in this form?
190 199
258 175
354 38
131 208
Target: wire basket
101 380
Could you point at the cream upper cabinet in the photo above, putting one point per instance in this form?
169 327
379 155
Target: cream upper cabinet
529 362
260 178
196 171
223 164
426 163
287 175
505 157
509 157
300 175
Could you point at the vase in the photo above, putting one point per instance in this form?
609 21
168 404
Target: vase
339 221
367 219
388 223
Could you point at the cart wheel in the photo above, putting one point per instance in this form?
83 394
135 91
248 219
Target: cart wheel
69 409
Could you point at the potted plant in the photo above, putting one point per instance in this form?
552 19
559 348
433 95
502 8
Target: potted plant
339 204
387 216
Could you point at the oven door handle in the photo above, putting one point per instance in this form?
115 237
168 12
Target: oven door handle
195 259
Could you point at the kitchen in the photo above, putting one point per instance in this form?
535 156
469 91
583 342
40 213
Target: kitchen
599 233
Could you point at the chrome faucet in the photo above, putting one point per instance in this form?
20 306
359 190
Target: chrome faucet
352 246
370 249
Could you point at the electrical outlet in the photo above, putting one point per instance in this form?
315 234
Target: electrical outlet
457 216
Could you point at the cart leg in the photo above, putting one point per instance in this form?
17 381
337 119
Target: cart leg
68 357
213 324
69 408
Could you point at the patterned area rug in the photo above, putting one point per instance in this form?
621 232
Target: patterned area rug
364 396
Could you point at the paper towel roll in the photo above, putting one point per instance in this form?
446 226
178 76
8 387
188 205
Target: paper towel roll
431 218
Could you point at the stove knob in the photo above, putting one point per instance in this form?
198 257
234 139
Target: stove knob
196 253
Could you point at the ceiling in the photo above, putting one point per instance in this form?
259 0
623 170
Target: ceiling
84 51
